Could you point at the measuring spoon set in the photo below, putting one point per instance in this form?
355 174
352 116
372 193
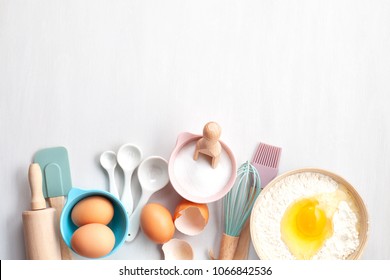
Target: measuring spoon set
152 174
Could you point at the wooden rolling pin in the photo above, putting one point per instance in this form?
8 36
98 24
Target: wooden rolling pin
40 235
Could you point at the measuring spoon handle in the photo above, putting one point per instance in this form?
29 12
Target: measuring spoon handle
134 220
113 188
127 197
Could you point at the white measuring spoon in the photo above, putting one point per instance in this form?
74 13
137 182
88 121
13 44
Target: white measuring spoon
153 176
108 162
129 157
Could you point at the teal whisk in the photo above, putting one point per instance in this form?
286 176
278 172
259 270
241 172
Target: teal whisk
237 205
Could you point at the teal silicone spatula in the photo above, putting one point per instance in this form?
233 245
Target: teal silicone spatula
56 183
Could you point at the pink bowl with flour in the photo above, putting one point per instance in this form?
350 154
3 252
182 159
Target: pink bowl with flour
197 181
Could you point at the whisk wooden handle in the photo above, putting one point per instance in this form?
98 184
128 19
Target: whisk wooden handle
243 243
228 247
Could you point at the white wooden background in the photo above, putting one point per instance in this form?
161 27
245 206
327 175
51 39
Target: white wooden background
310 76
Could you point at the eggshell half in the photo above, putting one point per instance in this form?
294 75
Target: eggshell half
191 218
177 249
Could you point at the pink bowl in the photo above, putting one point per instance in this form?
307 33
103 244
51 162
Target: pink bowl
184 139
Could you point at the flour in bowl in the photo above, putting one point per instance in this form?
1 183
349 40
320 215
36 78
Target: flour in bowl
197 177
268 214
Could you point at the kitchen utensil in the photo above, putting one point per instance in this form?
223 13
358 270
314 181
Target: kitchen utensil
129 157
195 180
237 205
361 209
39 225
119 223
266 161
54 164
209 144
153 176
108 162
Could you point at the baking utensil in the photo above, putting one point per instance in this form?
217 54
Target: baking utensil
129 157
237 205
39 225
195 180
209 144
266 161
153 176
56 183
108 162
360 210
119 223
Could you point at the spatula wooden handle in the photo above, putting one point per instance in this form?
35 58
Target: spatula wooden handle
58 203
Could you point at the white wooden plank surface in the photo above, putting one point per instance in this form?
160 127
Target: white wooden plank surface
309 76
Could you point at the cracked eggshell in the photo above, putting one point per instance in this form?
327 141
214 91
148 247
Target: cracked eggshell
177 249
191 218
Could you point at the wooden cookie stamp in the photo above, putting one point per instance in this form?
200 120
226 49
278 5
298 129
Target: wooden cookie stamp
209 143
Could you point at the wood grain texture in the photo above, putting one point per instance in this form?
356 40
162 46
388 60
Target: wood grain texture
35 179
228 247
58 203
311 77
244 241
41 238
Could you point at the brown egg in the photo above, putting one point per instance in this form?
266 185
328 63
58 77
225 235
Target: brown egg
93 209
93 240
157 223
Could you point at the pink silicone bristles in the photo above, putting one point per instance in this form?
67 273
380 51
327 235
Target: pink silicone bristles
266 161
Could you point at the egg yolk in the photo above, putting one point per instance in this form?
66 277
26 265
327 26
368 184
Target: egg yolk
305 227
311 221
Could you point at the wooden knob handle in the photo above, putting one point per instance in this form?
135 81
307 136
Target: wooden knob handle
35 178
212 131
